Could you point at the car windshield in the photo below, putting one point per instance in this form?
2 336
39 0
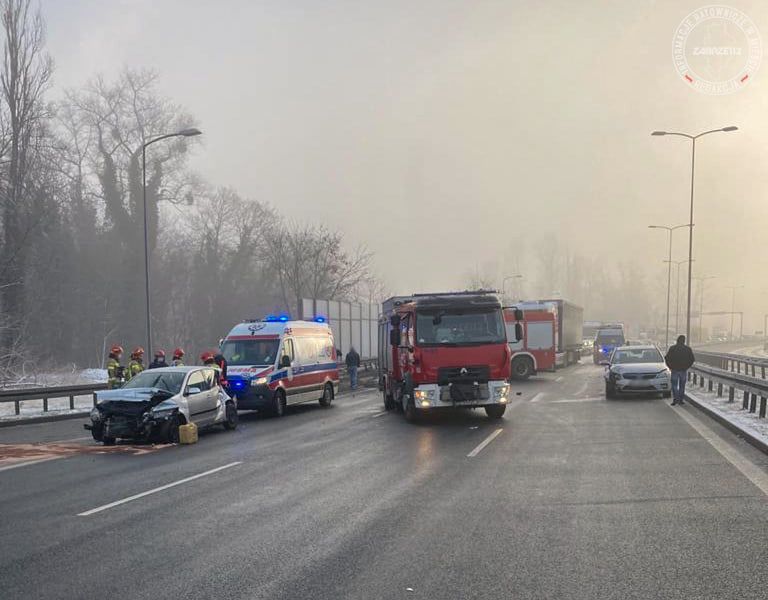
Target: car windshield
258 352
169 381
610 340
459 327
644 355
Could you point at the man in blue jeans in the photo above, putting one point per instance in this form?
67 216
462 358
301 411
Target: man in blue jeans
679 359
353 362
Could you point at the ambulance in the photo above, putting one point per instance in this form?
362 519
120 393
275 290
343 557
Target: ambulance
275 362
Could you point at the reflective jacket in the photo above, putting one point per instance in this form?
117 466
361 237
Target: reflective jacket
177 362
113 373
134 368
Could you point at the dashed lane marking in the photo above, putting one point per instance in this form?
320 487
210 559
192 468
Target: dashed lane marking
558 379
98 509
538 397
380 414
479 448
572 400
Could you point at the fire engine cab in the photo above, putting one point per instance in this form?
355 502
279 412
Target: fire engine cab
444 350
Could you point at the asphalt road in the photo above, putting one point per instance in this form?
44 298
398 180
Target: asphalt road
574 497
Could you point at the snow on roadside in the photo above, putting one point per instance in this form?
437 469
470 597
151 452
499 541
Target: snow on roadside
732 411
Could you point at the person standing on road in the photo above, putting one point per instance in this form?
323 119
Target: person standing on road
114 368
679 359
353 363
136 365
159 360
178 356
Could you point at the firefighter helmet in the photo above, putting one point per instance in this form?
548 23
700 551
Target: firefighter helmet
178 353
137 352
116 349
159 353
207 357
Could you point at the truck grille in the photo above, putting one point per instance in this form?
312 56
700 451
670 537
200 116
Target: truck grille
470 374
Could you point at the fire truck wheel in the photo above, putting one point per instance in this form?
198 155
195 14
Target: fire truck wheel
495 411
327 395
389 402
522 367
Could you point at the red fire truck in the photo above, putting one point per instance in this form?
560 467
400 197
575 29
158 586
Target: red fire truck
537 350
443 350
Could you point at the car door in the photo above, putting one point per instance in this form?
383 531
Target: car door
197 403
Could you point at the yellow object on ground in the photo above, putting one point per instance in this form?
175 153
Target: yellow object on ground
188 433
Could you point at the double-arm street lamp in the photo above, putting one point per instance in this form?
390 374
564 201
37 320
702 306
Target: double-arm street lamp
693 139
191 132
733 289
669 230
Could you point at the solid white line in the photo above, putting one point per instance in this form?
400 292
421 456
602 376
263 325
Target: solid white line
484 443
28 463
537 397
155 490
559 379
751 471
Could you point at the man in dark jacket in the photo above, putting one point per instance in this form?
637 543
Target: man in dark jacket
353 362
679 359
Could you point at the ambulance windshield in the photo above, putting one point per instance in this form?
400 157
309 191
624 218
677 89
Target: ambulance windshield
459 327
251 352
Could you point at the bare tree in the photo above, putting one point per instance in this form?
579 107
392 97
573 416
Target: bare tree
24 78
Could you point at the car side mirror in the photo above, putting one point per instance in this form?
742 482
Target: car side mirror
518 332
191 391
394 337
285 361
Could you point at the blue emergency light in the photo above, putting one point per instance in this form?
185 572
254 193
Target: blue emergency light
320 319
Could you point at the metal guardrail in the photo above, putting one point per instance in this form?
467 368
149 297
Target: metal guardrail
750 385
734 363
47 394
50 393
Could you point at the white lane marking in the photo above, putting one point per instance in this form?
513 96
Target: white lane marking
559 379
751 471
380 414
28 463
537 397
155 490
484 443
571 400
582 389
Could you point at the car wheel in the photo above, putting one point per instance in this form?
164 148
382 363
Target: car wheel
495 411
230 413
108 441
522 367
278 403
172 436
97 431
327 395
610 391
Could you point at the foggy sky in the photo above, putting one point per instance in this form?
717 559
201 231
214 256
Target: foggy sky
446 134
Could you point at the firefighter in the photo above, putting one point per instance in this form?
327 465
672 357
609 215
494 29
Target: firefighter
208 358
136 365
222 364
114 368
178 355
159 360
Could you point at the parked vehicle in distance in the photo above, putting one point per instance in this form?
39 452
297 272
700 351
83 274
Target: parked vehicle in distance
152 405
606 340
536 351
444 350
570 322
637 370
276 362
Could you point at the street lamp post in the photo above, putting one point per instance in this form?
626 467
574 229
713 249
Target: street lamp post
504 283
702 279
677 263
693 139
669 230
183 133
733 289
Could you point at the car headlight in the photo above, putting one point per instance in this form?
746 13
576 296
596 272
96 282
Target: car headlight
260 381
162 414
662 374
95 414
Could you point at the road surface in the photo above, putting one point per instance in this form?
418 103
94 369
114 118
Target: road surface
567 496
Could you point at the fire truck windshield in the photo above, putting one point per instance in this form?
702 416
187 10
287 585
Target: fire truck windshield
459 327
